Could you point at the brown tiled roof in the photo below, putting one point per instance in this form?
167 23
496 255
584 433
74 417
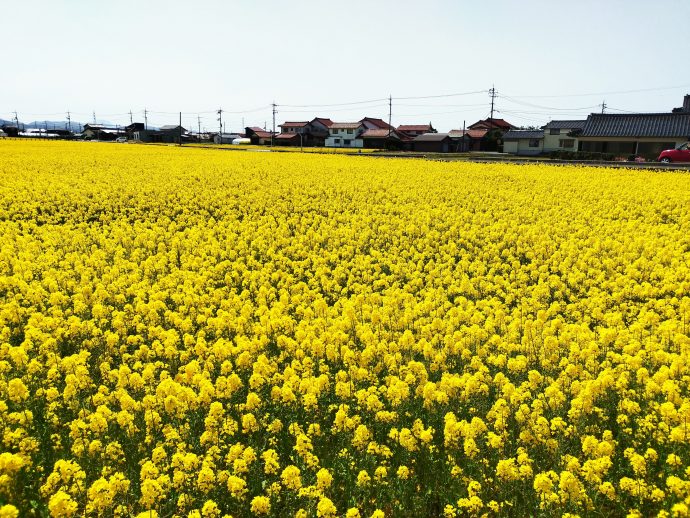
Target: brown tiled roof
326 122
379 133
256 128
345 125
473 133
493 123
414 127
262 134
293 124
286 136
379 123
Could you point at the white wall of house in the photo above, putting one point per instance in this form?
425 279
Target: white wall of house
510 146
559 141
344 138
522 146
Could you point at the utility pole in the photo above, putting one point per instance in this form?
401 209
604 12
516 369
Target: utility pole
198 120
16 120
492 93
69 122
131 120
390 115
603 106
180 128
220 125
273 130
243 124
146 119
94 116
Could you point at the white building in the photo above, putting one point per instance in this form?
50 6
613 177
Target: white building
523 142
558 135
345 134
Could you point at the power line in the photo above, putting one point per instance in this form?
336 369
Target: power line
441 95
620 92
380 105
552 108
334 104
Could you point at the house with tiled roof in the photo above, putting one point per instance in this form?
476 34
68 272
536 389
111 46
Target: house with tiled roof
345 134
414 130
468 139
258 136
373 123
523 142
304 133
644 134
489 124
561 135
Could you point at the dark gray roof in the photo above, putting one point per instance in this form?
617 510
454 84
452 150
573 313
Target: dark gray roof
660 125
169 127
566 124
431 137
518 134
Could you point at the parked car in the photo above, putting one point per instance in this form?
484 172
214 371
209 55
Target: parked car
680 154
121 139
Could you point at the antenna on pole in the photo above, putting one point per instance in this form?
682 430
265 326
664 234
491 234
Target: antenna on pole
273 130
69 122
492 93
390 115
220 125
146 119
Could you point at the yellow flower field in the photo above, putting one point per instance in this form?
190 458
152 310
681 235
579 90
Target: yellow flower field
196 333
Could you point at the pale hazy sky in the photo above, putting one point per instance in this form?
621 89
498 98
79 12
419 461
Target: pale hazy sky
548 59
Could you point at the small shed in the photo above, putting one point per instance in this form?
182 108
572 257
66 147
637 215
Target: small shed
381 139
289 139
432 143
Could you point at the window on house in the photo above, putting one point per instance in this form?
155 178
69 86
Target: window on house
534 142
554 131
566 142
348 141
349 131
336 141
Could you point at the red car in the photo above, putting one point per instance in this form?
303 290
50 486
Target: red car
680 154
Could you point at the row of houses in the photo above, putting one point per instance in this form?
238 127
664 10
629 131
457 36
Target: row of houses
368 132
375 133
619 134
